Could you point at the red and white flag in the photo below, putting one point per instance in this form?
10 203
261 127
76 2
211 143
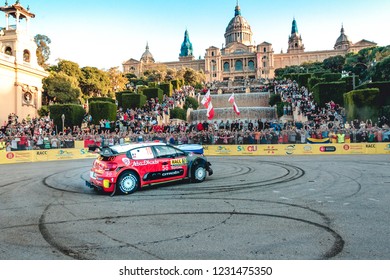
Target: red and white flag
206 101
233 102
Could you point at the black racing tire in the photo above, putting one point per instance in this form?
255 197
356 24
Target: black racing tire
128 182
198 173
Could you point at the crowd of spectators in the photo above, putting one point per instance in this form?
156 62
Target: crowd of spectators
137 125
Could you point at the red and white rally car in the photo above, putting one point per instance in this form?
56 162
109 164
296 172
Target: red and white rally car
126 168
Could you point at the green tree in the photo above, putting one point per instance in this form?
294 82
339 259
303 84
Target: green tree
335 63
94 82
60 88
118 81
70 68
191 77
43 49
382 70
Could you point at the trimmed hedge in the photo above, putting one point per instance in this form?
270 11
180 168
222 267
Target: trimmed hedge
167 88
118 96
191 103
133 100
153 93
386 112
313 81
73 113
384 89
176 84
325 92
362 104
303 79
102 99
178 113
102 110
291 76
331 77
349 82
320 74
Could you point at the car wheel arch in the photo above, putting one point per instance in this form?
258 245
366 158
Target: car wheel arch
193 166
128 171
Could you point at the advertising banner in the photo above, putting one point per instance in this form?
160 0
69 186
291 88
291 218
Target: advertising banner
213 150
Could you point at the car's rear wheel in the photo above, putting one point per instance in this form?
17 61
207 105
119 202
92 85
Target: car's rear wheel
198 173
128 182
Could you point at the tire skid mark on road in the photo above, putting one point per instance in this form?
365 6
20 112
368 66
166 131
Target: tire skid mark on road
51 239
291 173
13 183
336 247
126 244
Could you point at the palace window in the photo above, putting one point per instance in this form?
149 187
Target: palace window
251 65
226 67
238 66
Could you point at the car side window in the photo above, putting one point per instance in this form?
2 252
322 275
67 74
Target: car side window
165 152
141 153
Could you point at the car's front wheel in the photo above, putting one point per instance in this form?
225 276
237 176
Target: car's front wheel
198 173
128 182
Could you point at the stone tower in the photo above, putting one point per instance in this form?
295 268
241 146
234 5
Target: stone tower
186 50
295 44
21 76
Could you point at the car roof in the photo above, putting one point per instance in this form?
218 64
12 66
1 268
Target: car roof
122 148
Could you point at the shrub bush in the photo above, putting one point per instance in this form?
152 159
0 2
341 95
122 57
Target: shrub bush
118 96
191 103
167 88
384 91
102 110
303 79
362 104
73 115
325 92
102 99
313 81
178 113
133 100
331 77
153 93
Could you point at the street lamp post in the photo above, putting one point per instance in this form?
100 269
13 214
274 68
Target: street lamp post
63 122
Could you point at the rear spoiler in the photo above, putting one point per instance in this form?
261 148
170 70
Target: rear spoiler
107 152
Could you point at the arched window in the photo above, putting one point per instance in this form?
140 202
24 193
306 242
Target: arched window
26 56
226 67
265 49
238 66
251 65
8 50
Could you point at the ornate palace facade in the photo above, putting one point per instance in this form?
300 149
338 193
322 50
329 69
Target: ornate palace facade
240 59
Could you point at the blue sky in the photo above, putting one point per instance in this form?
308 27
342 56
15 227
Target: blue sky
106 33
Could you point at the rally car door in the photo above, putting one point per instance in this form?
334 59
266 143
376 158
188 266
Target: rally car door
172 163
